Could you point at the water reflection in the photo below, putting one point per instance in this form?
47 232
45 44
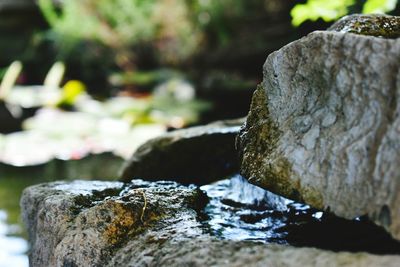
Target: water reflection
12 248
240 211
13 244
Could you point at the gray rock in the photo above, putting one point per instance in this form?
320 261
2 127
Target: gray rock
371 25
196 155
82 223
324 126
85 223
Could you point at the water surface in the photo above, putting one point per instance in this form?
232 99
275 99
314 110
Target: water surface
13 244
240 211
236 210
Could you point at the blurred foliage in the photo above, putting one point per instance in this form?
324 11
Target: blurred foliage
330 10
174 30
379 6
125 24
70 93
2 72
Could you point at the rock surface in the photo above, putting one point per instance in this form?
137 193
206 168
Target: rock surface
370 25
83 223
196 155
324 126
95 223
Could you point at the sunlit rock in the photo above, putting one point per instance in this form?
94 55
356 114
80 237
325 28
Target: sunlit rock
324 125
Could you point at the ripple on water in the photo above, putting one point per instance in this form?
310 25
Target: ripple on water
238 211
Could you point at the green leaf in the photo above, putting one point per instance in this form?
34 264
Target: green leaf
379 6
328 10
70 93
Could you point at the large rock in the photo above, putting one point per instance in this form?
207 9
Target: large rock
196 155
324 124
85 223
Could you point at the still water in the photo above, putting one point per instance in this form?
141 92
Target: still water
13 235
13 244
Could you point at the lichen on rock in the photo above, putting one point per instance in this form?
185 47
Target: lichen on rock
86 227
372 25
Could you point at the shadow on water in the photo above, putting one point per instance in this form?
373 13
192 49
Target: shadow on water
240 211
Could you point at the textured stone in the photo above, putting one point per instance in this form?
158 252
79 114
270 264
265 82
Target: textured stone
372 25
82 223
197 155
85 223
324 126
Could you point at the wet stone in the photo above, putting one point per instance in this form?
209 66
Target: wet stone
141 223
93 218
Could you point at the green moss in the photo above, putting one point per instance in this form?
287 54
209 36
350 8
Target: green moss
141 209
260 162
312 197
280 179
127 221
372 25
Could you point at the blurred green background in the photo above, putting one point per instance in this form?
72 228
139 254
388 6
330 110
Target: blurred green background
120 44
130 46
126 71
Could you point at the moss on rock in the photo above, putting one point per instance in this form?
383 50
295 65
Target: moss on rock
372 25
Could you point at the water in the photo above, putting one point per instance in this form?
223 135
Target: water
13 244
13 247
13 235
240 211
236 211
